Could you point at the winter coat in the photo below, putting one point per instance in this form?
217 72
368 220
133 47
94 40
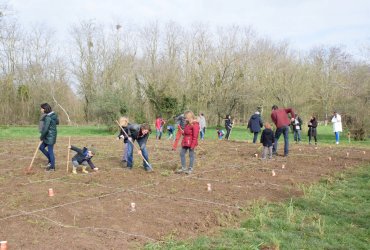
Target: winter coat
134 131
255 123
228 124
49 129
312 125
337 123
202 122
267 137
122 134
180 121
190 135
280 117
41 122
82 155
297 124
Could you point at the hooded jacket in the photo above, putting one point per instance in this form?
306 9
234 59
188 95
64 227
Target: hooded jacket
49 129
82 155
255 123
190 135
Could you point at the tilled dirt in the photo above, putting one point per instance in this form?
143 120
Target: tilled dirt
93 211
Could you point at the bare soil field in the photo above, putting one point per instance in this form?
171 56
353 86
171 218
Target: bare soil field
93 211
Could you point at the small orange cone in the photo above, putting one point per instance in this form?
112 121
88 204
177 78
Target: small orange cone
51 192
256 155
3 245
364 152
329 158
133 206
283 166
347 154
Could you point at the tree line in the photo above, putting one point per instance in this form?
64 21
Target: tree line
100 73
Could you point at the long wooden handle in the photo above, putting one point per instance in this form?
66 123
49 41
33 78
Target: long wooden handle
69 145
133 144
34 156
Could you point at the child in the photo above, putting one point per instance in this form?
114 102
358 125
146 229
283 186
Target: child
220 133
170 130
159 122
189 142
123 122
83 157
267 140
141 134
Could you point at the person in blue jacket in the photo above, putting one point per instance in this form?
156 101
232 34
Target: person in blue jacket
255 124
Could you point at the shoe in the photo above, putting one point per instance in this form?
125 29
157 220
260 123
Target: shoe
180 171
49 165
149 170
84 170
95 169
337 142
286 155
127 168
74 172
189 171
50 169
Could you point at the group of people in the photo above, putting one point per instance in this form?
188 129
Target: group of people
189 128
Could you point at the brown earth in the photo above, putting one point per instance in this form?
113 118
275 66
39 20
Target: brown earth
92 211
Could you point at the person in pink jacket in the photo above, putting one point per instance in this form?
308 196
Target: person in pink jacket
282 122
189 141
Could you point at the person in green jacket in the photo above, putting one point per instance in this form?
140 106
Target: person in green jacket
49 135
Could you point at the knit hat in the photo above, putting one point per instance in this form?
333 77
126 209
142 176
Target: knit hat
257 113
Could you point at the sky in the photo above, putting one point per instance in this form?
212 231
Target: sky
304 24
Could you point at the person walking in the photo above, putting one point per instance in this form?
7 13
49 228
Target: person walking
312 129
337 125
202 125
228 126
48 134
282 122
267 140
255 124
297 128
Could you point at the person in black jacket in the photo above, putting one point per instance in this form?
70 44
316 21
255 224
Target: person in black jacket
255 124
312 129
83 157
267 140
139 133
228 126
297 128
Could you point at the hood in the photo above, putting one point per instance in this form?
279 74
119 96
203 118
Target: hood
255 116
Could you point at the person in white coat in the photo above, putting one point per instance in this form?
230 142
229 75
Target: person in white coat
337 125
202 125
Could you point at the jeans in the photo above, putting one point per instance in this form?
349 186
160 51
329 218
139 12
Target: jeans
228 131
336 137
124 155
158 133
255 136
285 131
48 153
130 156
191 156
297 135
201 134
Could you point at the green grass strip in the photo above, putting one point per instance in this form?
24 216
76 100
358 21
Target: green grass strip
333 214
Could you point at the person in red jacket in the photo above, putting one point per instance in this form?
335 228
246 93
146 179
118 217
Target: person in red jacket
189 142
282 122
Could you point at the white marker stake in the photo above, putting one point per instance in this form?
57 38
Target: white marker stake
209 187
347 154
283 166
133 207
273 173
329 158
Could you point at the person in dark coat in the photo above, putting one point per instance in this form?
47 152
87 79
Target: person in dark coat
48 135
297 128
312 129
139 133
83 157
255 124
267 140
228 126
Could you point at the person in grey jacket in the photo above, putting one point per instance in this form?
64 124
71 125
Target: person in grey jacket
255 124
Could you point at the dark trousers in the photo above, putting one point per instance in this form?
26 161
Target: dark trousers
48 153
255 136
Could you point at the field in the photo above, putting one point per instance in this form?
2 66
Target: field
92 211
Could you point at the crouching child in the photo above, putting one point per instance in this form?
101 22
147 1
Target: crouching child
83 157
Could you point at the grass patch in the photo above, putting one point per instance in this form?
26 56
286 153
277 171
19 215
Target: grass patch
330 216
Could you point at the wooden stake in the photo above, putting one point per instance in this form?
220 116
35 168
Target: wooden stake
69 145
33 158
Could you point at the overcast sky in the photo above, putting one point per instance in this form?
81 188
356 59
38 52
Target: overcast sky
303 23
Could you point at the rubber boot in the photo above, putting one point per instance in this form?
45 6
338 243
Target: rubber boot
84 170
74 170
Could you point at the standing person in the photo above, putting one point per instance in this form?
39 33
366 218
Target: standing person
297 128
189 142
48 135
180 121
139 133
159 122
267 140
337 125
123 123
282 122
202 124
312 129
255 124
228 126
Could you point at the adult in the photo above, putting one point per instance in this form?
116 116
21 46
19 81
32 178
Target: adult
312 129
48 134
282 122
337 125
228 126
139 133
255 124
189 142
159 122
180 121
202 125
297 128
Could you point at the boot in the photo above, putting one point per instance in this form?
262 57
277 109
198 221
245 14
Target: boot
84 170
74 170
